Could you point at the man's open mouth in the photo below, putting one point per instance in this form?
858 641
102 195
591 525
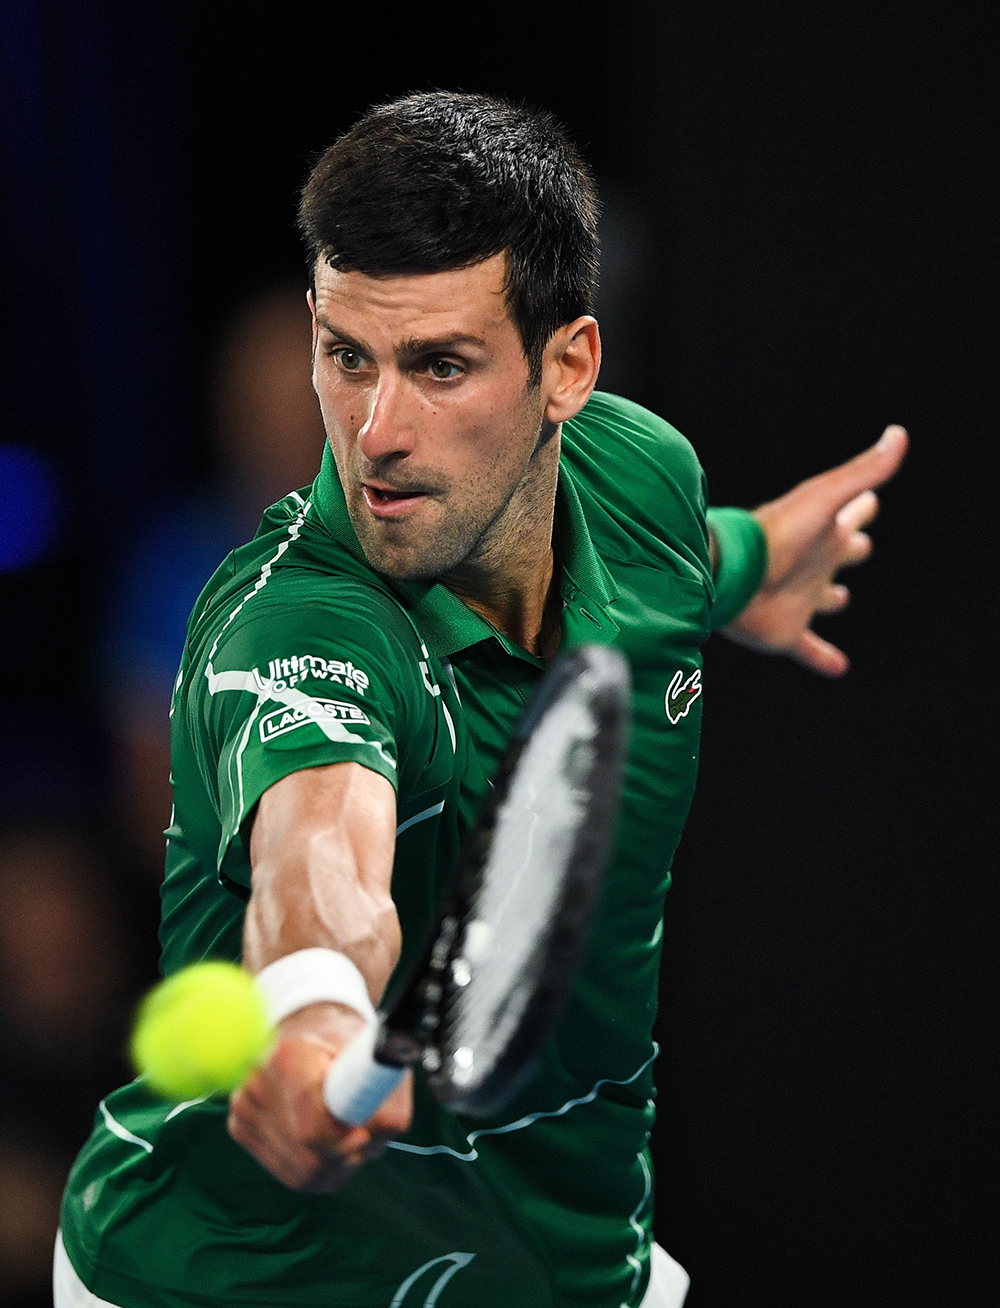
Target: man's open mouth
392 494
386 501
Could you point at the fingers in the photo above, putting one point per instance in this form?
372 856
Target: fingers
311 1163
293 1164
866 470
819 655
833 599
858 548
279 1117
859 512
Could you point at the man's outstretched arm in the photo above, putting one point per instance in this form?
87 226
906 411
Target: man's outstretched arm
321 849
811 533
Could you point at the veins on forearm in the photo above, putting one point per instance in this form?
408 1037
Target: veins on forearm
315 895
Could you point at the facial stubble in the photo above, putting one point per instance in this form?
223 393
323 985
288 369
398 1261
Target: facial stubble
463 540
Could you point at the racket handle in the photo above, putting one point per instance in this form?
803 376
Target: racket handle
356 1084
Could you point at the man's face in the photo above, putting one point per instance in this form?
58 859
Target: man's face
423 385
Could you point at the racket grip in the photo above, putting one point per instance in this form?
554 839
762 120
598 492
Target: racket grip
356 1084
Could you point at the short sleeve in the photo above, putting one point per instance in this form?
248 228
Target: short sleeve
299 687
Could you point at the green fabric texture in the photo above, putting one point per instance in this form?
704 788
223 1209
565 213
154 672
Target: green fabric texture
299 654
742 562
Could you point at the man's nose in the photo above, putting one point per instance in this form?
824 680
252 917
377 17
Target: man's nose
388 430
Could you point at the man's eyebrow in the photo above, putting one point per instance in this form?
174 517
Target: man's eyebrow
409 349
439 344
341 335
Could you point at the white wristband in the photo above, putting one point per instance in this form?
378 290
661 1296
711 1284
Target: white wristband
313 976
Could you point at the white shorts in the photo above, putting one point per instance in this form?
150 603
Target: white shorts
668 1282
68 1291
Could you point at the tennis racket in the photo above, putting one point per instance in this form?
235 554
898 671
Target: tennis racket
478 1006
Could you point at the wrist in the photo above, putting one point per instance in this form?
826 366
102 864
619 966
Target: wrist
314 977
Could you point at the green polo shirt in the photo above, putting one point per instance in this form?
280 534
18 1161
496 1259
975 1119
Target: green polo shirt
299 654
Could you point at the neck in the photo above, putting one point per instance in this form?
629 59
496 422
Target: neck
509 579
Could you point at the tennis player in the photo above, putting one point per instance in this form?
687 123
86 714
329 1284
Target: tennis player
349 681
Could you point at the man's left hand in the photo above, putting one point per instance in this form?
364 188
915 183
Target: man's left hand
812 532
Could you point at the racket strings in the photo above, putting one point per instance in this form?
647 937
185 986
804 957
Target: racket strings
495 974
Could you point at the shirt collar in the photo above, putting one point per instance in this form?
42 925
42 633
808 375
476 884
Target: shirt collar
446 623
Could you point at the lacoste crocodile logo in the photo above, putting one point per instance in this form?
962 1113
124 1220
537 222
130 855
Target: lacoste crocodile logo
682 694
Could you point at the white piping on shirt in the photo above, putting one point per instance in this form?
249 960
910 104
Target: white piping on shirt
521 1123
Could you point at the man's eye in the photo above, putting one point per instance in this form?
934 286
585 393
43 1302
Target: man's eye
443 369
348 359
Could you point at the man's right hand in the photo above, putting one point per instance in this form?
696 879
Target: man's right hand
279 1116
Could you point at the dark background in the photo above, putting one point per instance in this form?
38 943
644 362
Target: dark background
798 250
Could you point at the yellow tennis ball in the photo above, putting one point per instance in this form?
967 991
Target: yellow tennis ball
202 1031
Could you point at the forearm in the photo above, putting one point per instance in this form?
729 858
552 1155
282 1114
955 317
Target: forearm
321 850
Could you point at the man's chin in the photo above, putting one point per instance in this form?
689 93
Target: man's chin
416 553
405 565
406 572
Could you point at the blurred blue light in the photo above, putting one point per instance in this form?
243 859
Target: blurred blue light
29 507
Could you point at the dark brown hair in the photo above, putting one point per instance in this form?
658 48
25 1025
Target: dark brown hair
444 180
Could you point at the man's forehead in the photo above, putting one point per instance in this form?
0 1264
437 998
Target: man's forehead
457 301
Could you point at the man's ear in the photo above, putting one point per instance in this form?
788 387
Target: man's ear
570 364
311 301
